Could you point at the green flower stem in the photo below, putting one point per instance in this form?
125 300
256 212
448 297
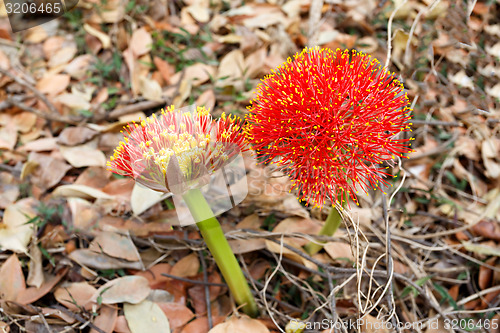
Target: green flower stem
331 225
221 251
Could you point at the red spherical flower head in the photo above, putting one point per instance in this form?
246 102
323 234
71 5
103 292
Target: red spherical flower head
177 150
331 119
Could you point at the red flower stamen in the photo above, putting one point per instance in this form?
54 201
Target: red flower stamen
200 145
330 119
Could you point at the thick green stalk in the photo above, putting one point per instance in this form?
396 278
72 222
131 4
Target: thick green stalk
331 225
221 251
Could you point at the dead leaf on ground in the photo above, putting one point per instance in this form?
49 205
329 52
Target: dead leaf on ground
50 170
33 294
187 266
80 191
121 325
8 137
106 320
339 250
298 225
11 279
242 324
15 233
43 144
127 289
154 275
24 121
75 296
53 84
9 189
84 155
86 257
72 136
146 317
114 244
231 69
201 324
35 273
195 74
85 215
141 42
178 314
144 198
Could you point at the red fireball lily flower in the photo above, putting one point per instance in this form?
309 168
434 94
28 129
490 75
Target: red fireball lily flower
198 144
330 119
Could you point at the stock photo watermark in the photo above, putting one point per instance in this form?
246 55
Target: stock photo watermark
26 14
361 324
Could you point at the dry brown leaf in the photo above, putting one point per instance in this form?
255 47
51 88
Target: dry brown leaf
35 35
116 245
49 172
11 279
254 63
15 233
240 246
44 144
62 56
184 92
24 121
144 198
74 101
53 84
298 225
146 317
150 89
197 74
85 214
265 16
141 42
4 60
8 137
177 314
121 325
133 69
242 324
106 320
111 11
33 294
9 189
206 99
79 66
339 250
89 258
201 324
462 80
187 266
231 68
84 155
128 289
486 274
166 70
80 191
95 177
52 45
75 296
103 38
72 136
35 273
199 13
154 275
